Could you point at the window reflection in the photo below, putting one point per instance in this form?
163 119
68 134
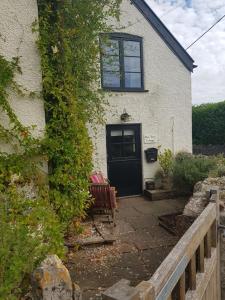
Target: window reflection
122 143
122 63
133 80
131 48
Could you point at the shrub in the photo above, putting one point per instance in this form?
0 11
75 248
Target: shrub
219 169
29 229
189 169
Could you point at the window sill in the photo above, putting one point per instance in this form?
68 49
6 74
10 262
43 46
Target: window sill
125 90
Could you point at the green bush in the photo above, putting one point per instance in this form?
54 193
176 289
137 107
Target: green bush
186 169
189 169
219 167
29 229
220 171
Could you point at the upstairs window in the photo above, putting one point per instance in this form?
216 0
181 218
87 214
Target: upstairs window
122 63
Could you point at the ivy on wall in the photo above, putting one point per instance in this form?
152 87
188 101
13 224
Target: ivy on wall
27 225
69 47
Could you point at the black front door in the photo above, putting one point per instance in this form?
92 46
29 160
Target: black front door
124 158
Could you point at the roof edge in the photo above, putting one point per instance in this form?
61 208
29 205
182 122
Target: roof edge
165 34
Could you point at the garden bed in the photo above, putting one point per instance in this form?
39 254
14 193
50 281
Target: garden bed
176 223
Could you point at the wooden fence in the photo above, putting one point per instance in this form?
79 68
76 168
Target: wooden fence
191 271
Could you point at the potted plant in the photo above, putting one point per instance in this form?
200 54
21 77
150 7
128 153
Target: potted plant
165 159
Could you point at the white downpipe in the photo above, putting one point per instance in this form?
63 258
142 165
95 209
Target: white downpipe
172 134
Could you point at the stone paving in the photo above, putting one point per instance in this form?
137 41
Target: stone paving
141 245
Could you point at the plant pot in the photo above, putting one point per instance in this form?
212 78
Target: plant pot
150 185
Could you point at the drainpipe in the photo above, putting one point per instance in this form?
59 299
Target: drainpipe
172 134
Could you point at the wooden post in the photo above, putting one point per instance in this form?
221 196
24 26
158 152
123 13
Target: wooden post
181 287
192 273
201 257
214 234
146 290
217 237
208 244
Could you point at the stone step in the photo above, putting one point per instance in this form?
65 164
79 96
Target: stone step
156 195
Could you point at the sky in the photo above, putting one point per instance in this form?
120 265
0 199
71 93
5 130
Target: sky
187 20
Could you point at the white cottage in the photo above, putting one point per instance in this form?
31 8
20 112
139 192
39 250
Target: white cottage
146 69
148 74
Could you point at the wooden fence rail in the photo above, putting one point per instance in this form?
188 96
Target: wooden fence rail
189 272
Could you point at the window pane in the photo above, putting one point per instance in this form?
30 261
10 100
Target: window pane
111 63
132 64
116 150
133 80
116 136
111 79
129 150
131 48
129 136
116 133
111 47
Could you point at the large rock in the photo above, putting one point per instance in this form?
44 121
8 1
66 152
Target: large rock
210 184
52 281
196 204
201 195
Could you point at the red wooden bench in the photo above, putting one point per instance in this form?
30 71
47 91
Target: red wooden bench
104 196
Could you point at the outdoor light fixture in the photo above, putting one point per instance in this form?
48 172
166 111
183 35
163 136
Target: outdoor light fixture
125 117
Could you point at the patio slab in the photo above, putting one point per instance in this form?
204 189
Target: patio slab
141 245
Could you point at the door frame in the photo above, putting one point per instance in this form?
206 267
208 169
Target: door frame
141 154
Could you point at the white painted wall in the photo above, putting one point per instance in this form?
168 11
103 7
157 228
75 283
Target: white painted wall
17 39
165 110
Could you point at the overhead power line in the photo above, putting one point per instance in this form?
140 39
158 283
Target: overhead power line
205 32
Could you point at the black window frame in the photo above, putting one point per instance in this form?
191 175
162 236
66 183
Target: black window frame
122 37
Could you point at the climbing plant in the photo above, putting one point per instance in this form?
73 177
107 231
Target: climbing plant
16 132
26 225
69 46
